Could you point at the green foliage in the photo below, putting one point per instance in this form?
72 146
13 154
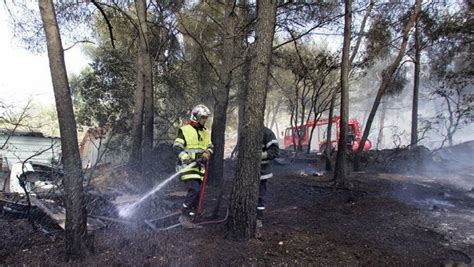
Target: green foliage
451 54
103 90
298 14
306 76
73 18
378 39
398 83
202 38
449 36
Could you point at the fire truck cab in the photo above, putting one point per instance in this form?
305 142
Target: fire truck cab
317 143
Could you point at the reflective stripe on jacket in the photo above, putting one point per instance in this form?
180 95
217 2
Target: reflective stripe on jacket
270 151
192 141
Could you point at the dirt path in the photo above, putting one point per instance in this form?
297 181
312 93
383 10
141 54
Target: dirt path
383 220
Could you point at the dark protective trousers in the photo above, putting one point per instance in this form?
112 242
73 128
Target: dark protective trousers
262 191
193 186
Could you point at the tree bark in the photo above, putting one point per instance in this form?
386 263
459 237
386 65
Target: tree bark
416 86
243 85
340 168
451 128
137 121
333 98
147 76
381 125
76 218
387 76
222 94
361 32
244 69
328 150
276 112
242 217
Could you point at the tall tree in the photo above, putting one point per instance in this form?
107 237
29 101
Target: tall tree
416 86
381 125
105 89
355 50
242 218
76 231
328 150
340 169
221 95
142 124
451 73
147 78
137 120
387 77
244 69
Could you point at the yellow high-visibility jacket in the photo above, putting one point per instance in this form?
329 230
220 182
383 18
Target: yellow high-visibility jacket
190 142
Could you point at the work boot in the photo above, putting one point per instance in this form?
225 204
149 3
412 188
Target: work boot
185 221
187 216
186 210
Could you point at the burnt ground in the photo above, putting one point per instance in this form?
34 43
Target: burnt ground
381 219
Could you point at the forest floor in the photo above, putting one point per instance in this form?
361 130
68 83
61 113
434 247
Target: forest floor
379 219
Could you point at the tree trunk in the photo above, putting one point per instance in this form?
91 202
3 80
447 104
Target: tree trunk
245 70
243 85
268 111
276 112
202 65
147 74
278 134
76 218
242 217
387 76
361 32
303 117
451 125
328 150
381 126
222 95
137 121
416 86
333 98
340 168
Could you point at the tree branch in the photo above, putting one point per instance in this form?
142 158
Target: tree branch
308 31
78 42
106 21
201 47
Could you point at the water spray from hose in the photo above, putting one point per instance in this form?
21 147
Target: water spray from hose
127 210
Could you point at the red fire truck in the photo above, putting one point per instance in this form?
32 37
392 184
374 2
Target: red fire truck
318 141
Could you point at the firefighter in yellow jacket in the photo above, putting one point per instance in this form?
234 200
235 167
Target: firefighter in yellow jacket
193 143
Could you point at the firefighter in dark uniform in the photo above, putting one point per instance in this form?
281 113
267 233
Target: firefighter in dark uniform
270 151
193 143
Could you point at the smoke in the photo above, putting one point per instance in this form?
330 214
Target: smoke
392 124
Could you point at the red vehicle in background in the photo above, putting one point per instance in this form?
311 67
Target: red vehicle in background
318 141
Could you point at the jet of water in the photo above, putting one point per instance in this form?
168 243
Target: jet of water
128 209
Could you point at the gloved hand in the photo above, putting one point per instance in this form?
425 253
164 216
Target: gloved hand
206 156
187 161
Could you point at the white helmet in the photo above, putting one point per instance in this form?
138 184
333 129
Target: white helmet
199 111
